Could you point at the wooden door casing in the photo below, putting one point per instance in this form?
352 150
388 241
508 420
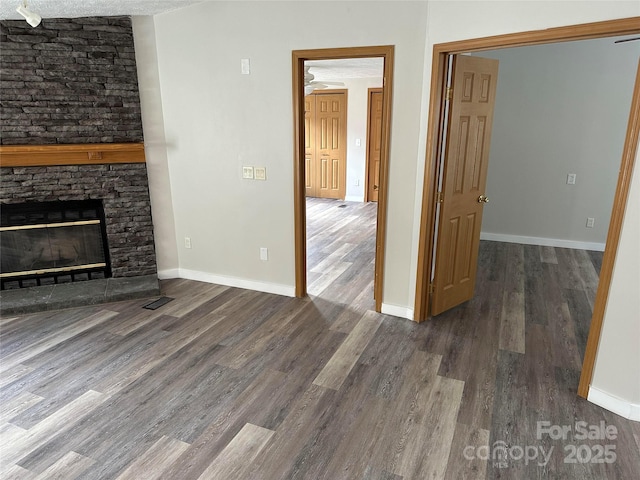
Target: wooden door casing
374 143
465 172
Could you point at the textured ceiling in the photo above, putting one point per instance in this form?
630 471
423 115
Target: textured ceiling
326 70
91 8
329 70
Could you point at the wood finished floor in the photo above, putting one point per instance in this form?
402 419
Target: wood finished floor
224 383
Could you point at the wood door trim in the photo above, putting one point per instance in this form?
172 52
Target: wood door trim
613 239
609 28
330 91
370 91
298 58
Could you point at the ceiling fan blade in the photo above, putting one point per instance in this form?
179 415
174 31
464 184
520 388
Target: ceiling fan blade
627 40
308 76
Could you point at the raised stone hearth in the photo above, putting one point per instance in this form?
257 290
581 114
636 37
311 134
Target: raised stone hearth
53 297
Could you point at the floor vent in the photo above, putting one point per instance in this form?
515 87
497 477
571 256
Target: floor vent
342 206
157 303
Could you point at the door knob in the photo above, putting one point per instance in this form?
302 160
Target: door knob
483 199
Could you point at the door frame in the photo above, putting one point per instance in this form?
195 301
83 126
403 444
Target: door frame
370 92
299 203
610 28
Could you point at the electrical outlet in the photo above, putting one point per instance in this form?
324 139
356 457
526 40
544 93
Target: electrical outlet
264 254
247 172
571 179
590 222
187 242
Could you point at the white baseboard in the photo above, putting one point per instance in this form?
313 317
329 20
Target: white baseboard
397 311
278 289
354 198
614 404
169 273
546 242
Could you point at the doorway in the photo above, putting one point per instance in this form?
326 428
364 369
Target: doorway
441 52
299 57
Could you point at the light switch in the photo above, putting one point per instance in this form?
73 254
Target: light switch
245 66
571 179
261 173
358 142
264 254
247 172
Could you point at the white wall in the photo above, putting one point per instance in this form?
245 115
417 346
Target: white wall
155 147
217 120
357 98
616 379
560 108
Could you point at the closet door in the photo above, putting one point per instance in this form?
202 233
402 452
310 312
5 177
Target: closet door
325 144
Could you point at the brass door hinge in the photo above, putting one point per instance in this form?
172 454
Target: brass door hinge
432 288
439 197
449 93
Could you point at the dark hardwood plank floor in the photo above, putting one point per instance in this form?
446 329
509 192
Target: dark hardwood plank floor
224 383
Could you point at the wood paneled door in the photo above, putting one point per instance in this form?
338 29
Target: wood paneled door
464 176
325 135
374 143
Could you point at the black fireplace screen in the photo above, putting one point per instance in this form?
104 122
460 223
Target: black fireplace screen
52 242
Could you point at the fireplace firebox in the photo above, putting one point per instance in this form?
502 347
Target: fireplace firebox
43 243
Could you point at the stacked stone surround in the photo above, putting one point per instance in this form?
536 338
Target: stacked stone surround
74 81
68 81
123 189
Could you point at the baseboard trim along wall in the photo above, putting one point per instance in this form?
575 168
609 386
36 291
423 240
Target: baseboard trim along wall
354 198
275 288
545 242
169 273
286 290
614 404
397 311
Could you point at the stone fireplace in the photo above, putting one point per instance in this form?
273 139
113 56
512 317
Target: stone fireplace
71 133
117 192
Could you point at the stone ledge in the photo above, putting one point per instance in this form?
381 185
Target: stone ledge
67 295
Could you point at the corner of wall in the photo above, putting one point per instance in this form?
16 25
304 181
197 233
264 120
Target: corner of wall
155 143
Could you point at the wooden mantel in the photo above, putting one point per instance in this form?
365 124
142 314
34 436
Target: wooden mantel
79 154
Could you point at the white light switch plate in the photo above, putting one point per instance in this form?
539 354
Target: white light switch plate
245 66
247 172
260 173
